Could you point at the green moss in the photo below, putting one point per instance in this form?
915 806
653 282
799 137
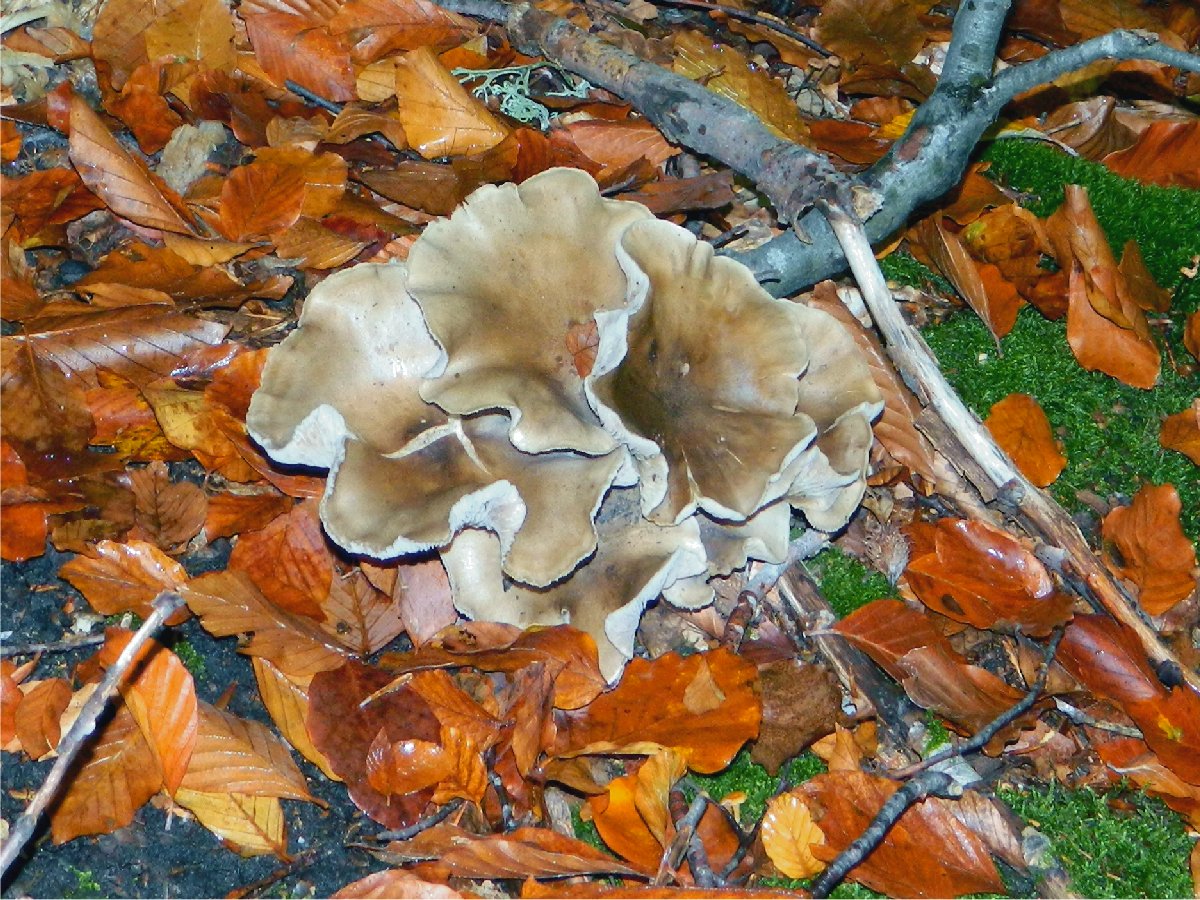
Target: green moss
845 582
1110 430
191 659
936 734
86 884
1139 853
902 267
755 782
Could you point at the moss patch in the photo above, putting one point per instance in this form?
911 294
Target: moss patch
845 582
1141 851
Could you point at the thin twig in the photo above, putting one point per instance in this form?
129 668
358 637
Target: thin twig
404 834
1079 717
994 727
256 888
81 732
685 827
315 99
63 646
773 24
930 783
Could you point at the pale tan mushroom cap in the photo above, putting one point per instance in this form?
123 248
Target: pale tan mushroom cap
468 475
505 283
350 370
706 394
636 561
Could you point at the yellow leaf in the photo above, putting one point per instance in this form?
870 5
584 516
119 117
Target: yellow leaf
252 825
438 114
788 833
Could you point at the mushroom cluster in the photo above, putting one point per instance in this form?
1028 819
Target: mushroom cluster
580 406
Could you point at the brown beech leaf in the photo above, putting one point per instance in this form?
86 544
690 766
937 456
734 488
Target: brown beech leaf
45 408
260 199
230 514
1109 661
229 603
706 705
618 145
455 708
169 514
360 616
1143 289
116 774
315 246
981 575
344 726
1191 335
36 716
1165 153
406 765
726 72
440 117
1101 345
148 270
895 428
788 833
1171 727
1022 430
125 422
38 204
904 643
520 853
927 853
1012 239
379 27
290 561
161 695
249 825
144 109
23 527
1155 554
241 756
120 179
670 195
124 577
392 883
632 816
984 287
286 699
201 30
1182 432
141 344
292 42
557 890
423 599
801 702
119 35
876 32
1131 758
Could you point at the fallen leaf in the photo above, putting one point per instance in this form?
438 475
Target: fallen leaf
121 180
1182 432
405 766
292 42
260 199
994 298
1155 554
1165 154
200 30
379 27
115 775
360 616
38 204
1143 289
392 883
651 705
241 756
36 716
169 514
45 408
124 577
621 823
788 832
1101 345
1191 335
287 701
423 599
289 561
439 115
1022 430
927 853
249 825
801 703
875 32
618 145
230 514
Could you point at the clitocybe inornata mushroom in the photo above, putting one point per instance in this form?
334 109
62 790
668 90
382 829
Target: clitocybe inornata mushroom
447 402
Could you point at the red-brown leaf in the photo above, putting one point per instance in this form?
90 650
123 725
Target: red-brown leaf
289 560
124 577
292 42
1155 554
1165 153
1022 430
37 715
243 757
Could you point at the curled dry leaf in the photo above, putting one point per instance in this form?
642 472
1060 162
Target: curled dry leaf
976 573
1022 430
788 832
705 705
1155 554
1182 432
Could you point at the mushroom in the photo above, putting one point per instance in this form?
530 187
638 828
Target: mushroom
448 402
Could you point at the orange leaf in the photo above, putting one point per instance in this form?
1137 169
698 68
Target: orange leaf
405 766
287 701
229 603
1182 432
788 832
124 577
621 826
117 773
1022 430
359 616
468 775
289 560
380 27
37 716
984 287
618 145
43 200
230 514
292 42
454 708
1143 289
1165 153
423 599
168 514
1101 345
392 883
162 698
583 339
1156 555
121 180
439 115
259 199
44 408
927 853
1191 334
143 108
243 757
706 705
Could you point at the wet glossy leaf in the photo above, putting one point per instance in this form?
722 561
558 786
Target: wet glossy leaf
230 514
124 577
290 561
241 756
439 115
705 705
1155 554
1022 430
45 408
379 27
36 716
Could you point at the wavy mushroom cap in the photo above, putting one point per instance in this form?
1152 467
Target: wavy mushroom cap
467 475
350 370
508 284
705 396
635 561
